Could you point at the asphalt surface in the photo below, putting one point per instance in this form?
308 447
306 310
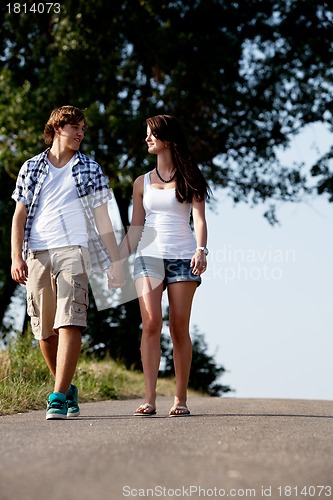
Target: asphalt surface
227 448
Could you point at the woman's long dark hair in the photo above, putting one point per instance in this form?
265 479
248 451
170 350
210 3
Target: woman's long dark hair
190 182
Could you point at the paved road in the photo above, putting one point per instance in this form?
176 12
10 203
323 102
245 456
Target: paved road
228 447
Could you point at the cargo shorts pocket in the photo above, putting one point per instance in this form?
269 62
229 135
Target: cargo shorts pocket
80 300
31 311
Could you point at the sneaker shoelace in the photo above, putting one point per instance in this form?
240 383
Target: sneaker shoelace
58 405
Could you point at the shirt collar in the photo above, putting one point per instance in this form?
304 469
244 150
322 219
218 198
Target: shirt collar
79 157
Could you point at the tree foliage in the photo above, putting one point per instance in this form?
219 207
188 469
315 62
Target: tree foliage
242 77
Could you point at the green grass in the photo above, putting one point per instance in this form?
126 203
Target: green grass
25 381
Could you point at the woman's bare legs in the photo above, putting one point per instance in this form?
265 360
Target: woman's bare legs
180 296
150 299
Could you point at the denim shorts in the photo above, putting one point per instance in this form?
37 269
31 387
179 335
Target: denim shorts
167 270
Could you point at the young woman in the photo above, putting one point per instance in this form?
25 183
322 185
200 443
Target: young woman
167 254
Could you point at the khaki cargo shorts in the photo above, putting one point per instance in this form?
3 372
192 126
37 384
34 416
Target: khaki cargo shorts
57 289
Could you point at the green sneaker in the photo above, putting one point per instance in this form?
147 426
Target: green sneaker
73 409
56 406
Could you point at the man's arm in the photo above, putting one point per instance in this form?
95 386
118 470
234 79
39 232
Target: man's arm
19 269
106 232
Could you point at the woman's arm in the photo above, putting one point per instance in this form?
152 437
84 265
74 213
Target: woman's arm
132 238
198 261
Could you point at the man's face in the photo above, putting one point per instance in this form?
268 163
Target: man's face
71 135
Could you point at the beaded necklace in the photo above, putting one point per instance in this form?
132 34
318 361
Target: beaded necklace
161 178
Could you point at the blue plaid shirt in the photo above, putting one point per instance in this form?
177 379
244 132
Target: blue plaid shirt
93 191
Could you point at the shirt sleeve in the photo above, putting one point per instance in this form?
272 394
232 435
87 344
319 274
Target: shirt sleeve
22 193
102 191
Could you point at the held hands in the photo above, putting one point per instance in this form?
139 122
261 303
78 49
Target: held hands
198 263
115 275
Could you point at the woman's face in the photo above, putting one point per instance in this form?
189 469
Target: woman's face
155 146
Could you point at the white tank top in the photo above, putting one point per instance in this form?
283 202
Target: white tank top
59 219
167 232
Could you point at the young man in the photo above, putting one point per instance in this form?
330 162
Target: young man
61 198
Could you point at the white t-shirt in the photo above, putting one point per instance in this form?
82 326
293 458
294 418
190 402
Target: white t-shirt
167 232
59 219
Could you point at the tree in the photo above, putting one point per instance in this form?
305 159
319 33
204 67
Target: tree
242 78
7 285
